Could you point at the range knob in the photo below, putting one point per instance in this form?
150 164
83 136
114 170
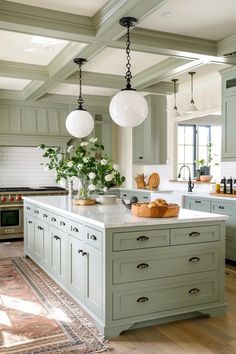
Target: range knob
11 199
3 199
19 198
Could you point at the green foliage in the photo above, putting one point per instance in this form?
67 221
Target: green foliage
88 162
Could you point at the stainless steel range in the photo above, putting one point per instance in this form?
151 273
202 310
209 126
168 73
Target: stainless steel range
11 208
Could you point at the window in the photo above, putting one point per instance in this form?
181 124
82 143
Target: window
193 143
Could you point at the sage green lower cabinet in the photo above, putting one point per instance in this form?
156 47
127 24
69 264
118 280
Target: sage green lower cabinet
58 253
225 207
133 276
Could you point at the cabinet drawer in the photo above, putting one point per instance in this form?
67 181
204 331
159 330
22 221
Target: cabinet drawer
200 205
28 208
36 211
53 219
146 197
222 208
62 223
166 296
139 239
76 229
195 234
161 264
93 237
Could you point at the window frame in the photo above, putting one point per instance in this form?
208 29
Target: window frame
195 143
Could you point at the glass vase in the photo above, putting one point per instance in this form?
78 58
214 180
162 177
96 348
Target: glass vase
70 188
84 192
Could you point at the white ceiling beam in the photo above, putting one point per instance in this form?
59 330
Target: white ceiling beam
174 45
23 71
110 31
44 22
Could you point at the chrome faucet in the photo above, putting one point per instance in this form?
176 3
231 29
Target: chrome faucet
190 184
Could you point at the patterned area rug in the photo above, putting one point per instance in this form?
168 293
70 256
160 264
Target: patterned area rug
37 316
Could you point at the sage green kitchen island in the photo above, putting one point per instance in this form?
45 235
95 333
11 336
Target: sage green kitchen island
125 271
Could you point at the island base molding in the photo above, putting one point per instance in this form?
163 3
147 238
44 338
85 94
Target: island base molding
115 331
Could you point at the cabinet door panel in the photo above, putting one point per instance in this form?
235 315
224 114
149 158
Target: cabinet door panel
229 126
76 281
38 241
29 237
94 284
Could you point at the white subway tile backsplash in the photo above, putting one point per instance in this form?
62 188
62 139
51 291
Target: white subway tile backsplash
21 166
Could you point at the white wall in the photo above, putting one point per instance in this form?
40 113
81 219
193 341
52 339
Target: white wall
20 167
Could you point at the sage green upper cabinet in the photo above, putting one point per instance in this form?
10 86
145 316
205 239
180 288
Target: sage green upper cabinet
228 114
150 137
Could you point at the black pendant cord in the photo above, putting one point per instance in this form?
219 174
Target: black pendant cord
80 100
174 81
192 73
128 75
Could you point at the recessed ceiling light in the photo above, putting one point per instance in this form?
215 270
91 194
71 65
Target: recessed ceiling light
167 14
45 41
27 50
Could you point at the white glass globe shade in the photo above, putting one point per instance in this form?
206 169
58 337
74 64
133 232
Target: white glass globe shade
128 108
79 123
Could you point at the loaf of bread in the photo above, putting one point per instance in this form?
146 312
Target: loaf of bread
157 202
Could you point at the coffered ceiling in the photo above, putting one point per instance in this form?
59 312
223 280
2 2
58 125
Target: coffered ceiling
40 38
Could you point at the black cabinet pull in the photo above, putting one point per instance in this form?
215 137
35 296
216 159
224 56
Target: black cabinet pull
125 195
56 237
140 157
28 208
80 251
198 201
40 228
45 215
75 229
84 253
142 266
93 237
142 299
142 238
194 234
194 259
30 222
194 291
221 207
145 197
62 223
53 219
36 211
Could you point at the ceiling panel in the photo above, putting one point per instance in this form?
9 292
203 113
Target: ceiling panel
211 19
113 61
73 90
79 7
25 48
7 83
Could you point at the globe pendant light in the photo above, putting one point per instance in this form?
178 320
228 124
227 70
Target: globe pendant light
128 108
79 122
191 108
176 113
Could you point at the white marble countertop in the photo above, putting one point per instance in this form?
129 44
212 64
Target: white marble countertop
113 216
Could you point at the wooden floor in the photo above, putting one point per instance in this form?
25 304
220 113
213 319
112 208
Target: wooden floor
196 336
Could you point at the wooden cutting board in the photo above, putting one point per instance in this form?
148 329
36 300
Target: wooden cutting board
153 181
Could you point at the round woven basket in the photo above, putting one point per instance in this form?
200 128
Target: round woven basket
165 211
